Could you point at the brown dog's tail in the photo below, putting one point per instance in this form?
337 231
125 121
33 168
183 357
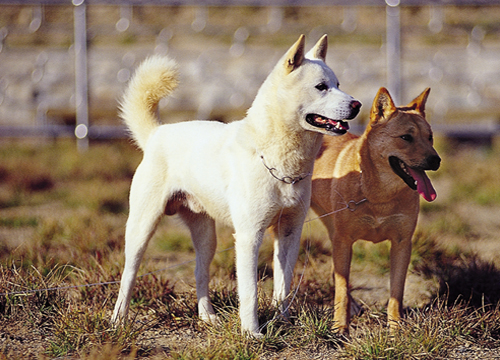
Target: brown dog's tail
155 78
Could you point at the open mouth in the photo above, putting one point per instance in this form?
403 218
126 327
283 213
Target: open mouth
415 178
336 126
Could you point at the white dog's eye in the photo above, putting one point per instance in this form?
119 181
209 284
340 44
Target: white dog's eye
322 86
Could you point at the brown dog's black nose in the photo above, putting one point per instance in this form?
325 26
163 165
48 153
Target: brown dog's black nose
433 162
355 106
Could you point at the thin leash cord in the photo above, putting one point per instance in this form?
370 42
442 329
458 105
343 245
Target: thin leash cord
348 205
351 205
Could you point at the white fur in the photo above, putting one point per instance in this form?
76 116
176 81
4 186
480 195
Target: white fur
206 171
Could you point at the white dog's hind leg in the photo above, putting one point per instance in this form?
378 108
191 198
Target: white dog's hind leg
247 252
146 206
204 238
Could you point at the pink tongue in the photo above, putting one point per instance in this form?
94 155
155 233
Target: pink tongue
424 186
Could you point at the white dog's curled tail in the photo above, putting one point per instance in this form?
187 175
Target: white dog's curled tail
155 78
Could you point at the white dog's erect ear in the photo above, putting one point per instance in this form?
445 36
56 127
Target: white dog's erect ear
382 107
319 50
419 102
295 55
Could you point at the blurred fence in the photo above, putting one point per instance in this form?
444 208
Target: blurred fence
226 52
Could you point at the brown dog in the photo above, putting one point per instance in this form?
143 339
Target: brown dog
364 187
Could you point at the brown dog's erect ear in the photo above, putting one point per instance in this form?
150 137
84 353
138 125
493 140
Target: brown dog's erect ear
295 55
319 50
418 103
382 107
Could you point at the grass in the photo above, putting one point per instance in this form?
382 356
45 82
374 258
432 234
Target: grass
62 218
428 333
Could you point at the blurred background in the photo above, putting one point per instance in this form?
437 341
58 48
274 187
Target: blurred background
67 63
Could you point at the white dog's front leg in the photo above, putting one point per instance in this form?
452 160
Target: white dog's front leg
247 252
286 251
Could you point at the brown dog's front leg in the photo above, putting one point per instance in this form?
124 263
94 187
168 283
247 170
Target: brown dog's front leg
342 253
400 259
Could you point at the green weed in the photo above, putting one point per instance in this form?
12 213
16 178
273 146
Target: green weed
19 222
79 331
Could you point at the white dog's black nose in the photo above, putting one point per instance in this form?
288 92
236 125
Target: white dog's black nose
355 105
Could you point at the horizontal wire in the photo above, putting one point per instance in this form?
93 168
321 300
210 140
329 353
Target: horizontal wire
26 292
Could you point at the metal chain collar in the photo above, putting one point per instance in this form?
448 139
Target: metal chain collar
286 179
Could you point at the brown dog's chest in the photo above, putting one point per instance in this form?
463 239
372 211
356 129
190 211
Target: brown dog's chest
380 228
375 226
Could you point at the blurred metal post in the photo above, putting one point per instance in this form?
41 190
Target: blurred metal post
81 76
393 49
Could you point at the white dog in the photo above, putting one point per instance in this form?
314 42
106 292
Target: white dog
252 174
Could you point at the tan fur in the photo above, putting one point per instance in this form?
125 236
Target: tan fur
354 172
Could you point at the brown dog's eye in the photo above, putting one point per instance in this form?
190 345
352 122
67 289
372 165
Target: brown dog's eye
407 137
322 86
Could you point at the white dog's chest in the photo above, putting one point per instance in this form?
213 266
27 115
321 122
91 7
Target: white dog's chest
237 203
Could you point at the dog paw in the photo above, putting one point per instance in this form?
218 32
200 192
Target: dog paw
342 331
253 335
394 327
211 319
116 321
